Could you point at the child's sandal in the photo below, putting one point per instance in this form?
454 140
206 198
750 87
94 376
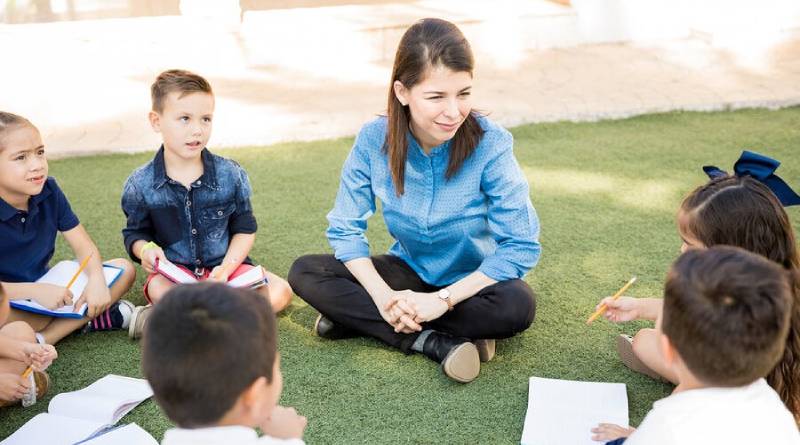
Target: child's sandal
629 358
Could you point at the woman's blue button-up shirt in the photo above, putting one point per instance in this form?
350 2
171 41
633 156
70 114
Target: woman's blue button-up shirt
480 219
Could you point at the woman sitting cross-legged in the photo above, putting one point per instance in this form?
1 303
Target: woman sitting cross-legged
457 205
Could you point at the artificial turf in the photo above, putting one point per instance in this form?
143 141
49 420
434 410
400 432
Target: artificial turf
606 194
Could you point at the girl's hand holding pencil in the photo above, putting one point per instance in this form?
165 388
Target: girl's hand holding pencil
52 296
13 386
603 307
38 357
621 309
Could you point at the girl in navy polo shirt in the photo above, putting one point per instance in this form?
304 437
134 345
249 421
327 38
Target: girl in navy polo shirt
33 210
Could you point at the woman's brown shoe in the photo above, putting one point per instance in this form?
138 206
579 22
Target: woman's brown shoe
486 349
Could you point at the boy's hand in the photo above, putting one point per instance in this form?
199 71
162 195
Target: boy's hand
97 297
219 273
13 386
52 296
620 310
285 423
606 432
149 256
40 357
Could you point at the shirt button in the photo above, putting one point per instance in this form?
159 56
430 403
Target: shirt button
197 261
22 219
194 231
188 203
199 182
219 212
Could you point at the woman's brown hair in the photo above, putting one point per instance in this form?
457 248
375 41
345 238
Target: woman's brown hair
427 44
743 212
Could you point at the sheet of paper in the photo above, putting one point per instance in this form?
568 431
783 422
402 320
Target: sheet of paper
106 400
130 434
563 412
53 430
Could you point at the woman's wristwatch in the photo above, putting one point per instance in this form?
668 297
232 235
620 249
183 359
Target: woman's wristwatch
444 295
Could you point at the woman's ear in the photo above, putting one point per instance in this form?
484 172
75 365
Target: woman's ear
400 92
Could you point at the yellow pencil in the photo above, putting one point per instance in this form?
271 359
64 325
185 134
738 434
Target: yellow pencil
603 307
80 269
27 372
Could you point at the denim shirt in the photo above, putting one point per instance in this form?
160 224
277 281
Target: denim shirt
479 219
193 226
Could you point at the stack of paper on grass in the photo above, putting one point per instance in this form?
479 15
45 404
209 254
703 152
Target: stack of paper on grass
563 412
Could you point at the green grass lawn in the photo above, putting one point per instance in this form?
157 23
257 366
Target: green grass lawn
606 194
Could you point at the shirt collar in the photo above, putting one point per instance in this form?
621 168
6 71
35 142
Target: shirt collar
211 435
435 151
7 211
208 178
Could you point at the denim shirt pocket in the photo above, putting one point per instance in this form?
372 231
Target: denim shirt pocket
215 220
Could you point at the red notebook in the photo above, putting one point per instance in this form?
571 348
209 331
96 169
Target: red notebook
253 278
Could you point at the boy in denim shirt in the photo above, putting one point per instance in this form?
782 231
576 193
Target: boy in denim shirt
188 205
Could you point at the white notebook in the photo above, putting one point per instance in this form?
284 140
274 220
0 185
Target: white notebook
130 434
253 278
563 412
75 416
60 275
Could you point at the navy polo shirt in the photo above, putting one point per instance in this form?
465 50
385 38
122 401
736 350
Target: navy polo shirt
28 239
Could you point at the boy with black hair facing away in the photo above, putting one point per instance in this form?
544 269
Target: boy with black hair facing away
210 354
725 322
187 205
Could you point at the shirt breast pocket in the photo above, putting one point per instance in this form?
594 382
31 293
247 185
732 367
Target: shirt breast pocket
215 219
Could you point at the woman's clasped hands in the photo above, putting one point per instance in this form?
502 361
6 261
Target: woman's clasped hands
407 310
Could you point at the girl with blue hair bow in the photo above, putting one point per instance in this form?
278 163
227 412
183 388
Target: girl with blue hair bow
745 209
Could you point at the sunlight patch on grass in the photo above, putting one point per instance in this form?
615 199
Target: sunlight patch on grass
645 194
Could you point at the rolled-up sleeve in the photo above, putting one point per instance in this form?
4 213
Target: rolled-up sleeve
355 203
512 219
243 220
138 225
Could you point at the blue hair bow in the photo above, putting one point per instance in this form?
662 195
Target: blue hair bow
763 169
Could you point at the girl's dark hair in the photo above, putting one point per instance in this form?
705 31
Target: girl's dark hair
427 44
9 121
743 212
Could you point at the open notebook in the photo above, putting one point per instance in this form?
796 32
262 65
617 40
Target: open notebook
130 434
60 275
75 416
255 277
563 412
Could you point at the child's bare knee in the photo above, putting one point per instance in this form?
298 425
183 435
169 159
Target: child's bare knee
20 331
643 342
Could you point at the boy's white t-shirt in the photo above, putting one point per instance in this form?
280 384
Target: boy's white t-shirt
222 435
746 415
